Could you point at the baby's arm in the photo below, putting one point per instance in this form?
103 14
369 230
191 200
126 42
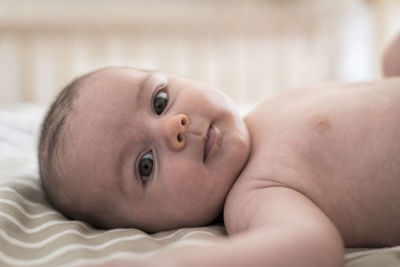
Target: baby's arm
391 59
274 226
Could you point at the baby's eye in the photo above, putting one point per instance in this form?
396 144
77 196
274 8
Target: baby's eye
160 101
146 166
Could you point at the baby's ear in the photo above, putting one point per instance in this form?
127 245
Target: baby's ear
391 58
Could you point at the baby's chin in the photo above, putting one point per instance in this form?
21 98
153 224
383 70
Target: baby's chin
160 225
193 217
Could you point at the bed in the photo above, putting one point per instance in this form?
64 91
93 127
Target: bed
32 233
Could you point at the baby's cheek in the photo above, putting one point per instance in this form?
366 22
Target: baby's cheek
178 178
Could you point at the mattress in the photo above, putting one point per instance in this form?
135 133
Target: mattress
32 233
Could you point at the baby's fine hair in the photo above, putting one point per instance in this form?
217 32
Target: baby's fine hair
52 142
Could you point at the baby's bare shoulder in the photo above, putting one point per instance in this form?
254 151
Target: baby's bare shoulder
338 147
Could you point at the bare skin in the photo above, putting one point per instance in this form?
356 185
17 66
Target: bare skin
391 58
338 146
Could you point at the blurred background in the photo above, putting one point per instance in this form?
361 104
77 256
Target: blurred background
250 49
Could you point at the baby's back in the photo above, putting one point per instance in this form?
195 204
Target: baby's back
339 145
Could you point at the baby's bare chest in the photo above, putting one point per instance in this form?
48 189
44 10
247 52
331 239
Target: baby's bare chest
339 147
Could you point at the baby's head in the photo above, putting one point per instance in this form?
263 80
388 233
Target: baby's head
121 147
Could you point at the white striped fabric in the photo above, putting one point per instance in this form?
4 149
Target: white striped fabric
34 234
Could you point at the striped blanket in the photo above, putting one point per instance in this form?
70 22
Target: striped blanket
34 234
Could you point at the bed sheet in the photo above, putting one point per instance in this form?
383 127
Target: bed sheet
32 233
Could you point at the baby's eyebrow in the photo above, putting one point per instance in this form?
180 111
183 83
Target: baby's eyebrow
121 158
117 167
141 89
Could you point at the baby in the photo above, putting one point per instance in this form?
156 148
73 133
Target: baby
307 172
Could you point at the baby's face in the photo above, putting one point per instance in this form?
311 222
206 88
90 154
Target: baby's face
160 150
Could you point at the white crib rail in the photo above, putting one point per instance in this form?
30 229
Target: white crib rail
249 49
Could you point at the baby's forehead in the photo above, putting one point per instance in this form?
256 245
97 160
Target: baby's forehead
96 124
124 77
107 98
108 84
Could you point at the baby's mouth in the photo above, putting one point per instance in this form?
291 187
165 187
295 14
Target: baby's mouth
210 141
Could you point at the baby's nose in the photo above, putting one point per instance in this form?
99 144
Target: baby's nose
174 131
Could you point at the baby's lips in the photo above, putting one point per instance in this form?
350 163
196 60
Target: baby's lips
211 141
